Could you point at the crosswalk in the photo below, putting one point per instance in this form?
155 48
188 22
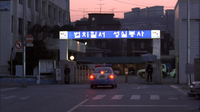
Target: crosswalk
135 97
100 97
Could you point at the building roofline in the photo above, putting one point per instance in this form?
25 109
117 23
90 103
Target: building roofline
101 14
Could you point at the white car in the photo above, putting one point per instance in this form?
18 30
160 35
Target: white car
103 76
195 88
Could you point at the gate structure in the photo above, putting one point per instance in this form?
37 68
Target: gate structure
81 74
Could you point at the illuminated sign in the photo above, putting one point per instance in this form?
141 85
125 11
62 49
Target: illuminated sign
137 34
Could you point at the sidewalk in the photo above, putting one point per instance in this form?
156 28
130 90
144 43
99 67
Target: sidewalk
9 84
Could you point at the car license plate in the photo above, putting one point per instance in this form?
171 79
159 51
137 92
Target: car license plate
101 76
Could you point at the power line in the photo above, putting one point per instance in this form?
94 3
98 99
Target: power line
140 5
112 10
129 3
84 11
100 5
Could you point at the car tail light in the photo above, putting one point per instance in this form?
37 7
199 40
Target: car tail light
111 76
92 77
102 72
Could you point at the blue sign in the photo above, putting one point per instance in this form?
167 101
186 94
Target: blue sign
137 34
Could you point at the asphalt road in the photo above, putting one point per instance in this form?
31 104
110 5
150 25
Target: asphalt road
80 98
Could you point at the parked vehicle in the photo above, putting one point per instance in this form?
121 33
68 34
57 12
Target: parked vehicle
141 72
173 73
195 88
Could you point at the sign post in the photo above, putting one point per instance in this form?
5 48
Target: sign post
29 40
18 46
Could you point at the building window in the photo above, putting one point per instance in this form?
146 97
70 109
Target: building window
12 23
93 26
64 19
36 5
29 3
165 45
43 8
29 25
142 45
49 11
93 18
21 2
133 45
20 30
54 12
59 16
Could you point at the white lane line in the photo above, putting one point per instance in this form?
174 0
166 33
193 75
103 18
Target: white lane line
9 97
98 97
179 89
173 98
24 98
117 97
72 109
134 106
135 97
154 97
8 89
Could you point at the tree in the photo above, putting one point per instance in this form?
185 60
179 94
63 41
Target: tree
39 50
36 53
55 31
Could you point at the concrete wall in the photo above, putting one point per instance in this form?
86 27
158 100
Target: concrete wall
5 40
181 35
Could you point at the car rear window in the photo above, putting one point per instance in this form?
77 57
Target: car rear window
106 70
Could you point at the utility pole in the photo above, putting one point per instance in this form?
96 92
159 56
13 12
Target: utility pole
83 11
188 40
24 43
100 5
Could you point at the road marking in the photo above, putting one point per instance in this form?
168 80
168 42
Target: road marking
154 97
24 98
8 97
117 97
72 109
135 97
134 106
138 88
8 89
179 89
99 97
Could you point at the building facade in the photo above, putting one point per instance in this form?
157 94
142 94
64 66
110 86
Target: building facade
43 12
101 47
181 36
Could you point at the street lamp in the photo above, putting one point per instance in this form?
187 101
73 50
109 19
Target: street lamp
72 58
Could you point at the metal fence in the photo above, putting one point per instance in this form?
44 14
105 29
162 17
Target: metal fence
82 74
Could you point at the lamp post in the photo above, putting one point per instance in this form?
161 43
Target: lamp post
188 40
24 43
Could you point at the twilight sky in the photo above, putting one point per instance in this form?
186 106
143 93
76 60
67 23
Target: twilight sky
81 8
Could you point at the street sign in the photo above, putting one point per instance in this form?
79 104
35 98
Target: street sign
29 38
18 46
124 34
29 44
